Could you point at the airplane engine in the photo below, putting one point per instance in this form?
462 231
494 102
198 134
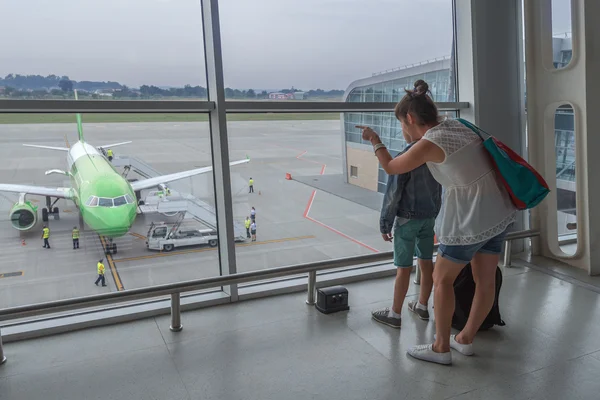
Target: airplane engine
23 216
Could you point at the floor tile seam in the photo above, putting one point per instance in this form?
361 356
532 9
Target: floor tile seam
563 277
174 365
392 363
217 333
519 375
68 363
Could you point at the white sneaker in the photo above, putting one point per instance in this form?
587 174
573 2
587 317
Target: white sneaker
425 352
464 349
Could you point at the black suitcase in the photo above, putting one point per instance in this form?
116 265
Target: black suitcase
464 290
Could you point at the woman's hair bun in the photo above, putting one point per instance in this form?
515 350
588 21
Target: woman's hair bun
421 88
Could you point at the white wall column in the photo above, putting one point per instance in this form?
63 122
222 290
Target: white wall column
548 88
490 72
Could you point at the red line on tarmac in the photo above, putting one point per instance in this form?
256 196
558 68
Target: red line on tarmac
308 207
312 199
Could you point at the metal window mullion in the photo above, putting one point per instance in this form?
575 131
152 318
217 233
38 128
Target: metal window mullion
219 141
105 106
196 106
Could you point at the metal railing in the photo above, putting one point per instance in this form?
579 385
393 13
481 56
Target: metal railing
199 106
175 289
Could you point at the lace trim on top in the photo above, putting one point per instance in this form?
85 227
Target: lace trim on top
485 235
451 136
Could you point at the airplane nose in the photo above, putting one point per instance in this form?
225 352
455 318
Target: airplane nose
115 222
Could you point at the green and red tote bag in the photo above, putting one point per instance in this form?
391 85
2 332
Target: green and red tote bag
524 184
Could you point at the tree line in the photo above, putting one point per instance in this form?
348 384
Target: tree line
37 86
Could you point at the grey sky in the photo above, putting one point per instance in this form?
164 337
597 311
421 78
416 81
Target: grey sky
266 43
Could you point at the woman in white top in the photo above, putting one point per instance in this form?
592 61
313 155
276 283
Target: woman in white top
475 214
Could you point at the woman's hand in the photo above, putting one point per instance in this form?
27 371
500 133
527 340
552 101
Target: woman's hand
369 134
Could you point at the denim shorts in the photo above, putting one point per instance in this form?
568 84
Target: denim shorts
464 254
415 237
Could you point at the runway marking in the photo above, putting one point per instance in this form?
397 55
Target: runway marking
307 210
303 152
137 235
312 199
11 274
113 267
202 250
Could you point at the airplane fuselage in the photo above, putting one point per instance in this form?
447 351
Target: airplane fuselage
105 199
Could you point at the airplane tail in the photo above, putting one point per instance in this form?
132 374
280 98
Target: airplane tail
79 125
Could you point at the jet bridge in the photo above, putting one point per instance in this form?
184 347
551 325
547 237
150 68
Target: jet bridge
177 201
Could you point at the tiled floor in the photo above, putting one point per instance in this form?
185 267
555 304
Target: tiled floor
279 348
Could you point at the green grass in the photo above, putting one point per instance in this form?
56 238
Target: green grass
107 118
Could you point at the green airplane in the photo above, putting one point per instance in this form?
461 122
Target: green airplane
106 200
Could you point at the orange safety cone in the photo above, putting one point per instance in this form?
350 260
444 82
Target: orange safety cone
288 176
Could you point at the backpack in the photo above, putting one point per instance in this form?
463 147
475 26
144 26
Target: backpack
464 290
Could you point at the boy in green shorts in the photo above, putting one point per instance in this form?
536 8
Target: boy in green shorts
410 205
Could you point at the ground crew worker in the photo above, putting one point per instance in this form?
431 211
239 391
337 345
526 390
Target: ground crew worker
253 214
45 236
109 153
75 238
247 223
251 186
168 192
253 231
101 270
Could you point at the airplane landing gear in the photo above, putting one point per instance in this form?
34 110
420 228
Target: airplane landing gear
50 209
111 248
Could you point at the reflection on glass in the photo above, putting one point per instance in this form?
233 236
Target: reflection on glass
564 133
562 45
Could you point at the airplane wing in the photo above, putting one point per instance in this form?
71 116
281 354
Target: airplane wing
63 193
153 182
47 147
104 146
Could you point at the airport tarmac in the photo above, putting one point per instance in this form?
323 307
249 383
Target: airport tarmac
296 223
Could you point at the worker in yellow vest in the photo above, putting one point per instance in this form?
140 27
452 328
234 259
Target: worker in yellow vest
247 223
109 154
46 236
251 186
75 235
101 271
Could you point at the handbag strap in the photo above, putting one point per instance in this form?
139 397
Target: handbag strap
474 128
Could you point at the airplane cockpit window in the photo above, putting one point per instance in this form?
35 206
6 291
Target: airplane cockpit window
129 199
104 202
120 201
93 201
89 201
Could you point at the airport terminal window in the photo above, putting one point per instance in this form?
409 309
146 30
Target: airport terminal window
353 171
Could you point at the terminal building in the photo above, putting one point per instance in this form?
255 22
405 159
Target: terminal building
362 169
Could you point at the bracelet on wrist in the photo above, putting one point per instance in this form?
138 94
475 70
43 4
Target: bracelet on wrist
378 146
